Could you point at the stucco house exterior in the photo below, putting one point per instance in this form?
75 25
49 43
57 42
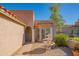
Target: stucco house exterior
27 17
11 34
19 27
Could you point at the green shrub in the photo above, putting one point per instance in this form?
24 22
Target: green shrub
75 38
60 39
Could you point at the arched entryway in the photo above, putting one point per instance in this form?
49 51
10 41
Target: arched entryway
28 35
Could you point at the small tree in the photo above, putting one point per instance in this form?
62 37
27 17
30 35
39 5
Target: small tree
56 18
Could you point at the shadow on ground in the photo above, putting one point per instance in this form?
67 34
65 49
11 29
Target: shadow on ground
57 51
66 50
36 51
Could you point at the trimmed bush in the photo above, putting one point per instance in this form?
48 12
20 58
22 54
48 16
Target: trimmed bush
60 39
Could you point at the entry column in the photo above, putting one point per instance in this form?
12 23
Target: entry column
40 34
33 35
51 33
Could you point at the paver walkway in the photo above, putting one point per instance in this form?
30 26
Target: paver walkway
38 49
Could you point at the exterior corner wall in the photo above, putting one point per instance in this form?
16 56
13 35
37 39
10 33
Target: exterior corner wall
11 36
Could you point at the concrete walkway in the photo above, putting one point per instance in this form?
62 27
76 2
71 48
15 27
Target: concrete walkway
28 47
61 51
38 49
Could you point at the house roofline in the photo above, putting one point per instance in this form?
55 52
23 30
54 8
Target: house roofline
10 15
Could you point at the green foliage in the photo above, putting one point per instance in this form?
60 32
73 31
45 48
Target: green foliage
60 39
56 18
75 38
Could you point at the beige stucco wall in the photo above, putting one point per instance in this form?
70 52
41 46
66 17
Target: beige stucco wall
11 36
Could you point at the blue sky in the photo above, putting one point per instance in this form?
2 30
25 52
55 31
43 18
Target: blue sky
70 12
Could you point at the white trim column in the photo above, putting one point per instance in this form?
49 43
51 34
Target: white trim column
45 32
40 34
33 35
51 32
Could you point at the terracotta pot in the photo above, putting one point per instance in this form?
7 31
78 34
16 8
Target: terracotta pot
75 52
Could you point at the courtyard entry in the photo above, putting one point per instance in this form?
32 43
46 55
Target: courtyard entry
42 34
43 30
28 35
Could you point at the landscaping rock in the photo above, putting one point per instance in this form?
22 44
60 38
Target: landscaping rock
73 44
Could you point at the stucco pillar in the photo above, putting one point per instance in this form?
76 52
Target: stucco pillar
40 34
45 32
33 35
51 33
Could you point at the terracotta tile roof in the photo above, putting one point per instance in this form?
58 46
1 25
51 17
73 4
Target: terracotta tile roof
68 27
7 11
25 16
11 15
43 21
43 24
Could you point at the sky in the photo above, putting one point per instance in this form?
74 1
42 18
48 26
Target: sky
69 11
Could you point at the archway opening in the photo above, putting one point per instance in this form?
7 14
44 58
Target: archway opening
28 35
